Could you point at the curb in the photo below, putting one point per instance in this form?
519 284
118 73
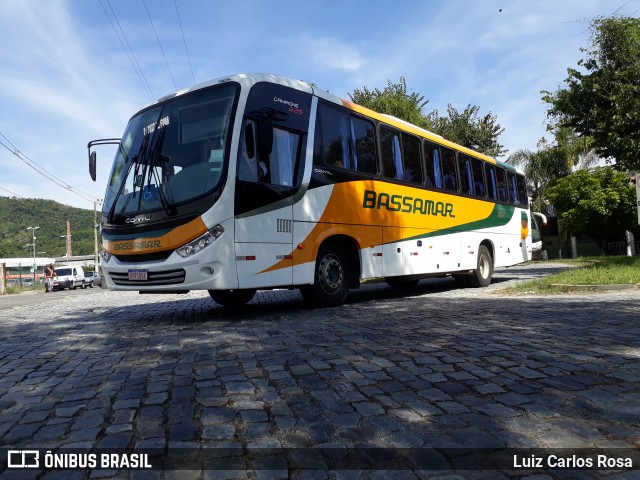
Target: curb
600 288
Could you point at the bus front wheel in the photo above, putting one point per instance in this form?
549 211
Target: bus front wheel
331 278
481 276
232 298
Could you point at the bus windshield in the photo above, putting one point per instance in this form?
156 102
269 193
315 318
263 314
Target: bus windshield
172 153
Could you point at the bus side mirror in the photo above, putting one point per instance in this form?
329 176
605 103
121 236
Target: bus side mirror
541 216
92 155
92 165
265 137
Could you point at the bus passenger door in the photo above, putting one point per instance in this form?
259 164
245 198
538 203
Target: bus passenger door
266 183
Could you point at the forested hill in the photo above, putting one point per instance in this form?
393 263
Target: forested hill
18 214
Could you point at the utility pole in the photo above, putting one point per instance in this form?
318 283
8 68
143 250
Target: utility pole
33 244
68 238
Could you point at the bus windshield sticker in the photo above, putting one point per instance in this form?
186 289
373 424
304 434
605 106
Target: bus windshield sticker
163 122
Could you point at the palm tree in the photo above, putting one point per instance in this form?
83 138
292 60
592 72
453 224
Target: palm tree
541 168
551 162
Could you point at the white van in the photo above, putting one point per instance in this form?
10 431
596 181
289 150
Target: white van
68 277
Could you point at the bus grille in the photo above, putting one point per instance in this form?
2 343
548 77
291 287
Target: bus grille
144 257
165 277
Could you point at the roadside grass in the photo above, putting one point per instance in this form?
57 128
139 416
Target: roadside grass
583 274
13 289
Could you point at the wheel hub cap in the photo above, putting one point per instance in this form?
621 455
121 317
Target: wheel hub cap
331 273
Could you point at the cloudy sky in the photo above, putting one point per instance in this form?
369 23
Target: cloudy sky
76 70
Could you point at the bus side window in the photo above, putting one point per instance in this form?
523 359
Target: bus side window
364 146
449 170
411 155
284 157
392 163
492 186
502 185
281 166
478 178
248 161
522 189
332 144
513 189
466 177
433 169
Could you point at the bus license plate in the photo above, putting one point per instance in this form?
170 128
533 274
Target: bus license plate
137 274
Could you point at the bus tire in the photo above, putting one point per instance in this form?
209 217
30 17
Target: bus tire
481 276
232 298
331 278
407 282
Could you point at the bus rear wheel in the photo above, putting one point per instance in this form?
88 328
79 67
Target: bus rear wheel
331 278
481 276
232 298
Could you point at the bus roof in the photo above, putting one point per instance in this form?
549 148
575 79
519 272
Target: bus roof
248 79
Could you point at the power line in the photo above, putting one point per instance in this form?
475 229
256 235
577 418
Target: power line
131 49
14 194
134 60
160 45
185 42
42 171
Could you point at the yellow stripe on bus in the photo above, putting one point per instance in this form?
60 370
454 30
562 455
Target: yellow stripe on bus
355 207
169 241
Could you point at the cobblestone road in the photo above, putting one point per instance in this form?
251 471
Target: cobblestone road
439 371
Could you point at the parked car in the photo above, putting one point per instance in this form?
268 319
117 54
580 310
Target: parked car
92 278
69 277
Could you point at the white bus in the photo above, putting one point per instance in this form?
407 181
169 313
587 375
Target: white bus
255 182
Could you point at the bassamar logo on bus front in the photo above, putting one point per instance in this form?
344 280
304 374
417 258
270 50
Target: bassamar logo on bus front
137 245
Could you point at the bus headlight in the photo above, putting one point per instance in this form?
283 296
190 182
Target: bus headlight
106 256
201 242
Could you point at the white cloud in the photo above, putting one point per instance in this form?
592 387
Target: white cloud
471 53
57 96
336 55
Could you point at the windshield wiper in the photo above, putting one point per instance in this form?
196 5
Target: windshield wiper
136 159
156 156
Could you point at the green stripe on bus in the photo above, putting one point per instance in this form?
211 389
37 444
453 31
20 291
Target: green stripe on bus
500 215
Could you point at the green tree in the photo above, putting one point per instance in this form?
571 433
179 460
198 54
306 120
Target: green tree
553 161
542 168
578 151
603 100
599 202
18 214
467 128
394 100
